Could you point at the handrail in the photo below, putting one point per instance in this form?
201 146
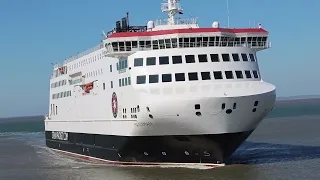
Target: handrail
84 53
177 21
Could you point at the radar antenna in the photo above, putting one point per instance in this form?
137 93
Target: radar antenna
172 7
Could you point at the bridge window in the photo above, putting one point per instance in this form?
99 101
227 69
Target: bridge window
138 62
151 61
202 58
180 77
225 57
128 45
244 57
239 74
248 74
129 80
255 74
134 44
148 44
217 74
153 79
141 79
119 82
229 74
161 44
174 43
235 57
121 46
193 76
115 46
155 44
126 81
176 59
168 43
205 75
190 59
166 78
142 44
111 84
214 57
163 60
252 57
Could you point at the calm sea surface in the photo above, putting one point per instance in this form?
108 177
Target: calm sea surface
286 145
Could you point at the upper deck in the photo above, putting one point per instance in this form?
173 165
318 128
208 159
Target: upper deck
126 43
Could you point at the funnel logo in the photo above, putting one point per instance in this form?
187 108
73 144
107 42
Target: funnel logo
114 105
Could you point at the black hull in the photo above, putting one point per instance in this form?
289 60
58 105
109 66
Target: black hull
213 148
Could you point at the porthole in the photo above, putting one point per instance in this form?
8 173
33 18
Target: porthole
145 153
197 106
198 113
150 116
254 110
229 111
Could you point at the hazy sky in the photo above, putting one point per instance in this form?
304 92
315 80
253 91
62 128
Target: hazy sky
35 33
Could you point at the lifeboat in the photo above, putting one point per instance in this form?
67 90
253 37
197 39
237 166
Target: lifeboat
88 87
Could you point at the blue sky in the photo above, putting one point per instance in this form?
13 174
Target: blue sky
35 33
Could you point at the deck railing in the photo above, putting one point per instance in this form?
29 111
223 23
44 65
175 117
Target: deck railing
177 21
79 55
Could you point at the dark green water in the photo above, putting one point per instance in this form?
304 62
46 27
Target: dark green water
286 145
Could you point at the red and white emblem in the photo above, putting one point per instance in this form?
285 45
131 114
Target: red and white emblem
114 105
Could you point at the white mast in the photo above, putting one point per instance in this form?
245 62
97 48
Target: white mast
172 7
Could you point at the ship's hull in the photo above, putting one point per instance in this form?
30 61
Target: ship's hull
147 150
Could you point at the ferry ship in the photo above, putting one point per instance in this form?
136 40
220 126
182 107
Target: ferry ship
165 93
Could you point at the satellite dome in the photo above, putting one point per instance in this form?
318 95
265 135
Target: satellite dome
215 24
150 25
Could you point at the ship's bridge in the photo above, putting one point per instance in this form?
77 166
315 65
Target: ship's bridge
127 43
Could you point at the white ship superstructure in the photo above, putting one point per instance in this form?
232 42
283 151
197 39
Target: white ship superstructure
167 92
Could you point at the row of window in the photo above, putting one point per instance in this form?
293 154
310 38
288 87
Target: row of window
125 82
58 84
94 73
162 60
190 42
123 64
54 109
194 76
85 61
61 95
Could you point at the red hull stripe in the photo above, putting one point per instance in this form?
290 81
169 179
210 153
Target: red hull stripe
97 160
195 30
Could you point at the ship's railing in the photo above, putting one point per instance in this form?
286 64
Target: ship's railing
177 21
165 6
255 45
79 55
